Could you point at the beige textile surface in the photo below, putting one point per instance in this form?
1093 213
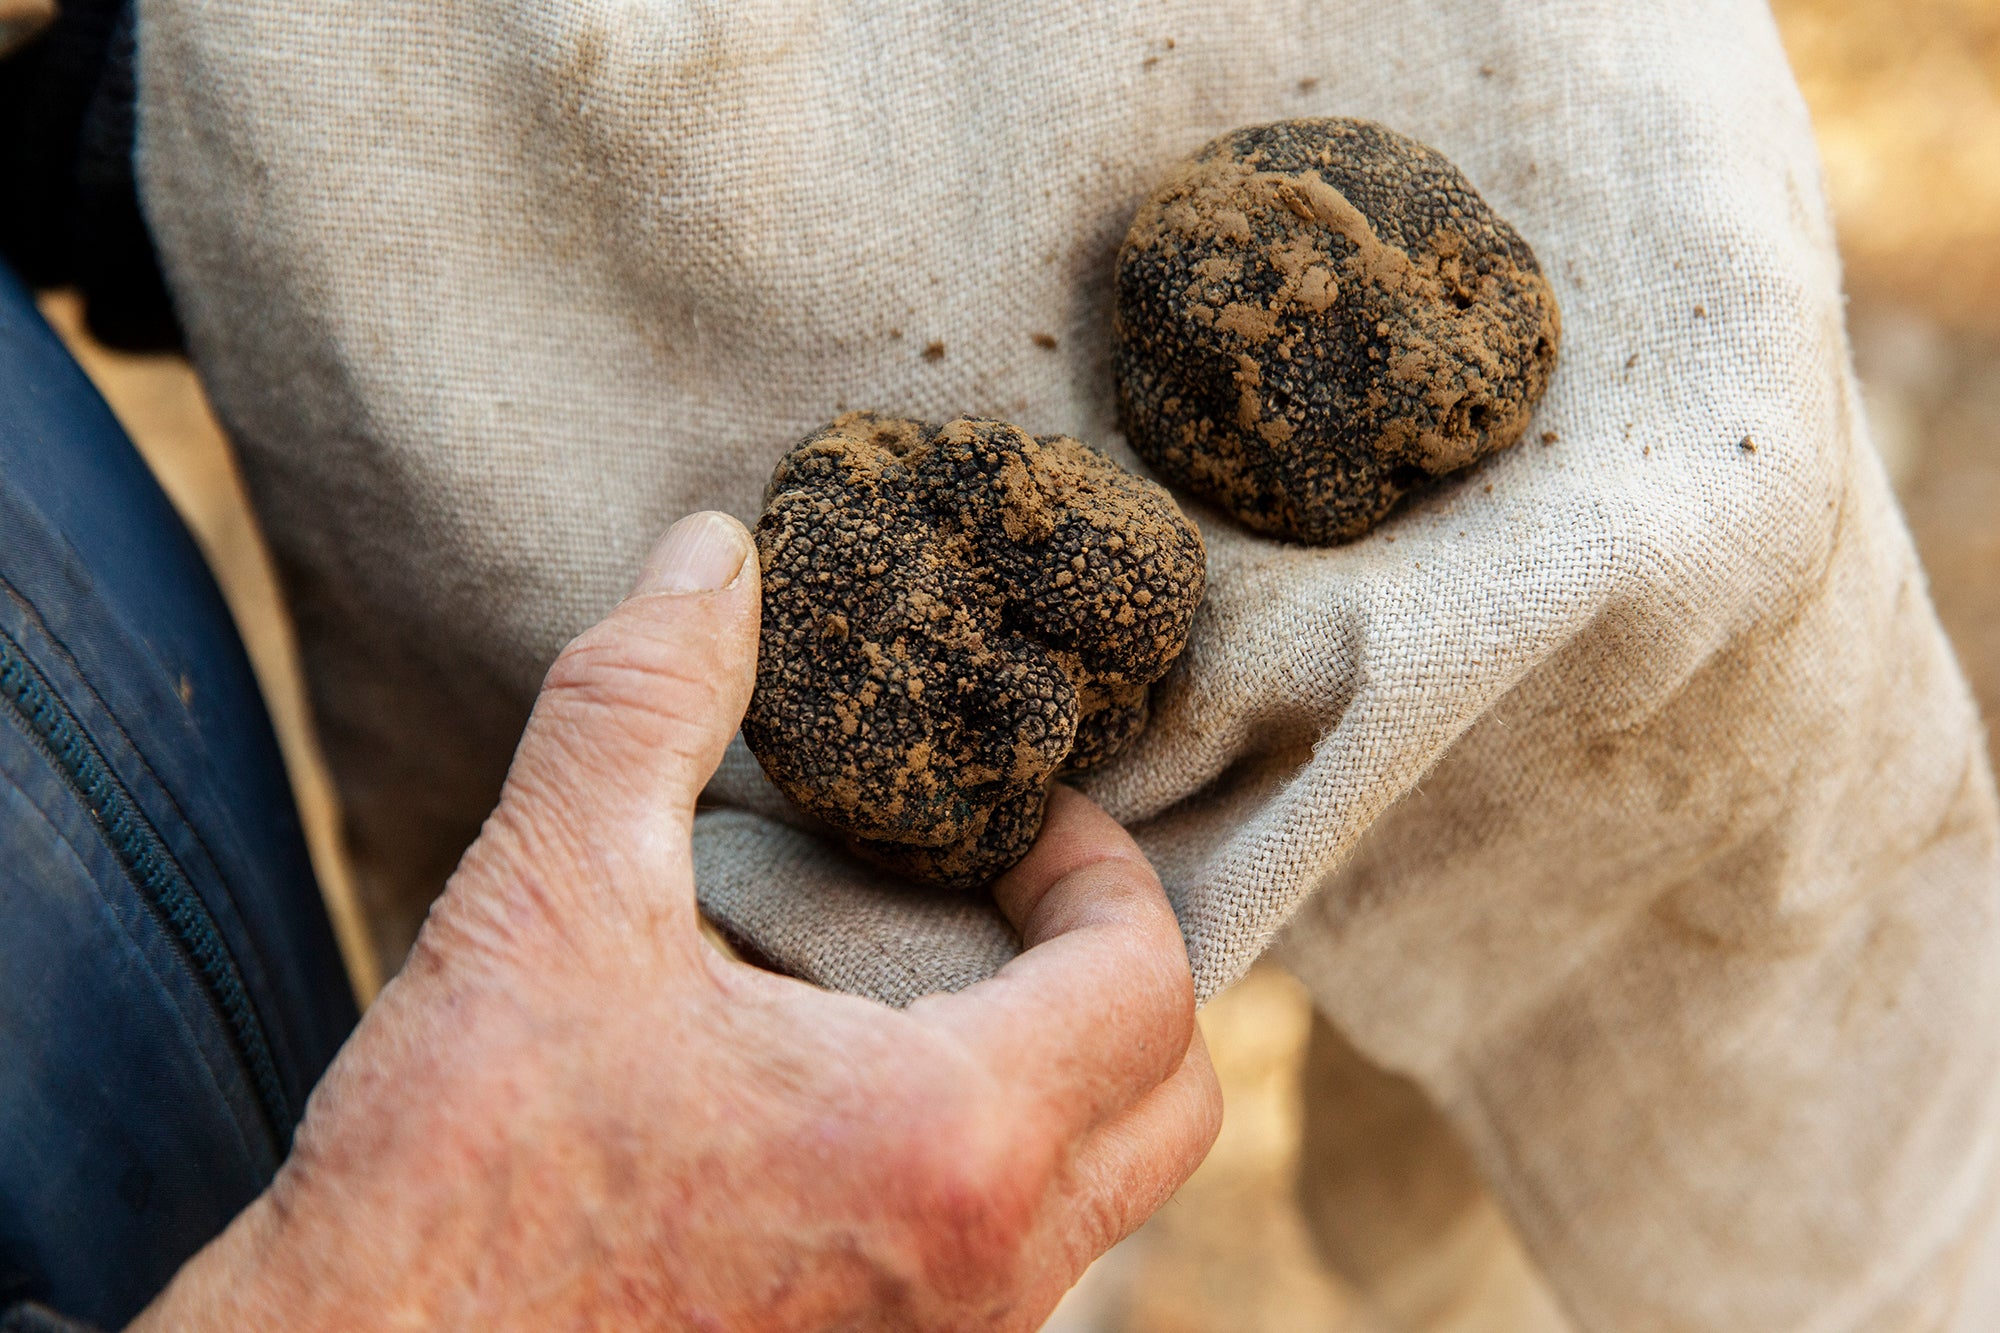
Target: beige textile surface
1654 833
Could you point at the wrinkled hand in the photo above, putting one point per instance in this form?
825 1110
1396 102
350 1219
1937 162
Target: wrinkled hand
569 1111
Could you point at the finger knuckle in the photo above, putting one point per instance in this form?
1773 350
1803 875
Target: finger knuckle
1162 990
970 1193
639 687
1100 1219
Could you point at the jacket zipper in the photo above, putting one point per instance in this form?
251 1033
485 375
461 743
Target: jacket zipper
161 883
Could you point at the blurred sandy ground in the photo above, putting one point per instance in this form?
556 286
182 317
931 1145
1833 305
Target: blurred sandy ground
1906 98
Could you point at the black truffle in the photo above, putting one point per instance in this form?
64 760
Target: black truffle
1316 317
953 616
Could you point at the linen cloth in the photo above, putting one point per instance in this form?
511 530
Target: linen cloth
1623 794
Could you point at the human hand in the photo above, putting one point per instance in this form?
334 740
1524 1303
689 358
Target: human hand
569 1111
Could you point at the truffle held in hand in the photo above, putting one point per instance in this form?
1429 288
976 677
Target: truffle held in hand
1316 317
953 616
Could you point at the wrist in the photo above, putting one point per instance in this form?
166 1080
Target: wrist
422 1175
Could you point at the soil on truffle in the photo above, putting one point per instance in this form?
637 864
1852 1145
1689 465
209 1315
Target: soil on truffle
953 616
1315 317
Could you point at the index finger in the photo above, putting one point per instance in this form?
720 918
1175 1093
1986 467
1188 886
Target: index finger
1099 1008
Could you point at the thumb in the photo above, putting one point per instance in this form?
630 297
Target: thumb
634 715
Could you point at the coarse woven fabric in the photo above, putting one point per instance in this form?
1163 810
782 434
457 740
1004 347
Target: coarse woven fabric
1623 794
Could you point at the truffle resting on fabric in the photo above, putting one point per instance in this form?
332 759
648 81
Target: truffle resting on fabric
1315 317
953 616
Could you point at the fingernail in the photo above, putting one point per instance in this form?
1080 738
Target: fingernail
700 553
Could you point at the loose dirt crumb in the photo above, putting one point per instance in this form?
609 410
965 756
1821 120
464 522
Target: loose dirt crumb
934 351
1046 341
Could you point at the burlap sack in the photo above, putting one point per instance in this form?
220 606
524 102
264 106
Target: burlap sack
1624 795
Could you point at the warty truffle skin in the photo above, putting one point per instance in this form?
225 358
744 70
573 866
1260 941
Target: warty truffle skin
1315 317
953 616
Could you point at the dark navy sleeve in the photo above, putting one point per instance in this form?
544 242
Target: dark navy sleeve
32 1318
